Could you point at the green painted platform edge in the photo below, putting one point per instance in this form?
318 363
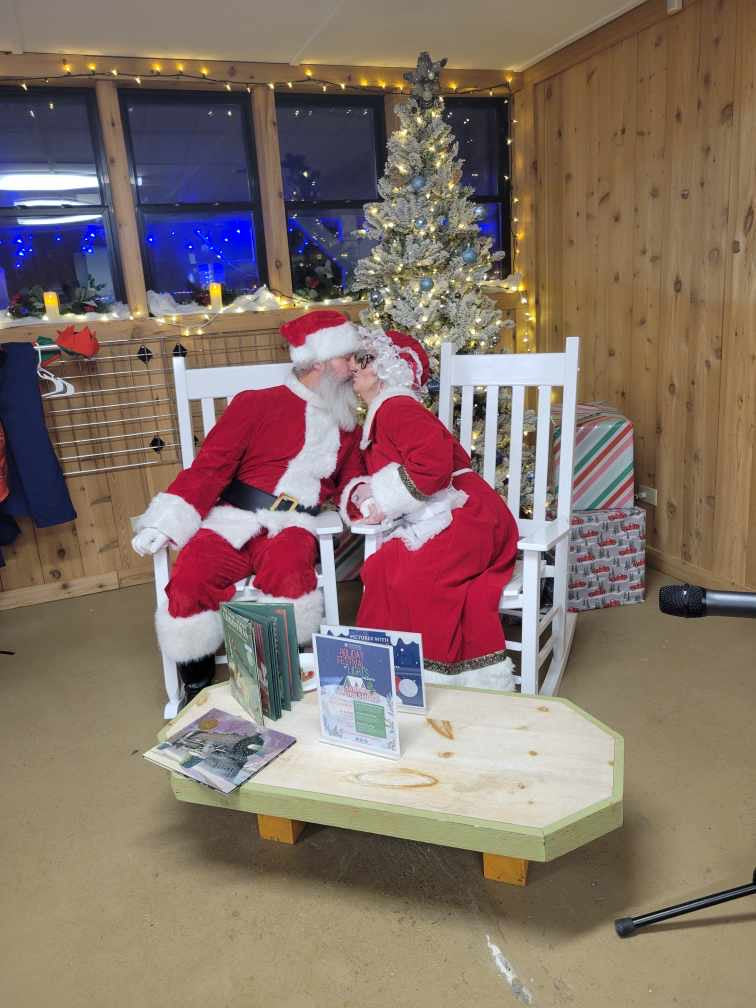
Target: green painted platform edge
371 817
444 829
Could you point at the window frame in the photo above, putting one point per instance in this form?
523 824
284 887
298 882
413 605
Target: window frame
503 198
105 207
126 97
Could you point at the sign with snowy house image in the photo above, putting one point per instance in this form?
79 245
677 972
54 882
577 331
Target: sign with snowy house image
357 694
407 649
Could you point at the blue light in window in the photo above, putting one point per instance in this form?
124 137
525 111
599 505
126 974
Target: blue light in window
151 239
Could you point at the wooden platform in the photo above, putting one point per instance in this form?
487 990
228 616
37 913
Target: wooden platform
518 778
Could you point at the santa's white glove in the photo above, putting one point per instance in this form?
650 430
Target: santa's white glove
149 541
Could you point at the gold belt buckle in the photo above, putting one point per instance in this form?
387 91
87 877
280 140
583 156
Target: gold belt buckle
284 499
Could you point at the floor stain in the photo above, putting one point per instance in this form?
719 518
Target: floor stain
506 969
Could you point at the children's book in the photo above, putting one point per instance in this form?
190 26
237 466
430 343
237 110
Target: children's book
408 661
272 628
243 666
220 750
357 695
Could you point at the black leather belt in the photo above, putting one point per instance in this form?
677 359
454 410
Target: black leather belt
249 498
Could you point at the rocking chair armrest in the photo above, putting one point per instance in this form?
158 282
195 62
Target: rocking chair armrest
362 528
543 536
328 523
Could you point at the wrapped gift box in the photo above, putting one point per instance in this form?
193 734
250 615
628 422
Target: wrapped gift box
607 565
603 457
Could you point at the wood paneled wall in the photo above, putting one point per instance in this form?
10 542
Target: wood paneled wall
638 161
123 399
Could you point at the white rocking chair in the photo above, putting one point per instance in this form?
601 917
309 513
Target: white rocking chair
545 372
206 385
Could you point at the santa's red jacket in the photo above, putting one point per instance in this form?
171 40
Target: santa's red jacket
282 440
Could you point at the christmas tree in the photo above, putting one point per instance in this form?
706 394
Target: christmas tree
424 273
423 276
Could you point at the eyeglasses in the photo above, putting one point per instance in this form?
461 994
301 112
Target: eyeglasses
363 358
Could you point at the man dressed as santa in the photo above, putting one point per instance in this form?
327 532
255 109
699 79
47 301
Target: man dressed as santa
248 502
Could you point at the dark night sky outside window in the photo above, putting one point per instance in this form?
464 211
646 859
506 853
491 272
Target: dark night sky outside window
193 169
55 217
332 153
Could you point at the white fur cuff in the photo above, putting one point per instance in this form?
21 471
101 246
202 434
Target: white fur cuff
171 515
390 493
186 638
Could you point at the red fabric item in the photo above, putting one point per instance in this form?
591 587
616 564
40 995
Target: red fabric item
296 332
80 343
207 569
254 441
448 590
404 342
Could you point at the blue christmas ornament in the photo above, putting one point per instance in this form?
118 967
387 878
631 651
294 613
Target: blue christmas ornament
443 221
426 284
418 183
469 255
479 213
420 223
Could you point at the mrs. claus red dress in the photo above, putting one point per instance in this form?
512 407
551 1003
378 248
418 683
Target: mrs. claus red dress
443 582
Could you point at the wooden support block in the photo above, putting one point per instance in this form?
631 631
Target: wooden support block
498 868
282 830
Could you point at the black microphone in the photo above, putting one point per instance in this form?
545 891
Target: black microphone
692 601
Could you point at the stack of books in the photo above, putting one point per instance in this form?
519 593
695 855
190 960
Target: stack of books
263 657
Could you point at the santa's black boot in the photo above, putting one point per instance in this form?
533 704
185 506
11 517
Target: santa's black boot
195 675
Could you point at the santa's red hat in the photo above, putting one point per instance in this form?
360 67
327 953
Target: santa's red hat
319 336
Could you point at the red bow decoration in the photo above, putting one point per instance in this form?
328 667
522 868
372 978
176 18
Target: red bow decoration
78 342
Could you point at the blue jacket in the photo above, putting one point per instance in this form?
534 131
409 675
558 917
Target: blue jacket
37 486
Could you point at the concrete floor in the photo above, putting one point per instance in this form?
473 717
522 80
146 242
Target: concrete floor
114 894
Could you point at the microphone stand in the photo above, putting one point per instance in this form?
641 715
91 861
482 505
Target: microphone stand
626 926
694 601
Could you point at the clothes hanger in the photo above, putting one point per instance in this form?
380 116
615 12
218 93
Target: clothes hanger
60 386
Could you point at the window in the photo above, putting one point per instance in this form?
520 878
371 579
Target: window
332 154
55 222
481 127
193 169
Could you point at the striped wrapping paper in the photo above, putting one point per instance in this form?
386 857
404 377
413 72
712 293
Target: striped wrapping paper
603 457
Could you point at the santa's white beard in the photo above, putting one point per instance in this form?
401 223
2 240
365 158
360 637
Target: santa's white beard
340 399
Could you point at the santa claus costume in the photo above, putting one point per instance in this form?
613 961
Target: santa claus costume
248 502
441 570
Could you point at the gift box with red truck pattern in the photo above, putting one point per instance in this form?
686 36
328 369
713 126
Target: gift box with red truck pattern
607 565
